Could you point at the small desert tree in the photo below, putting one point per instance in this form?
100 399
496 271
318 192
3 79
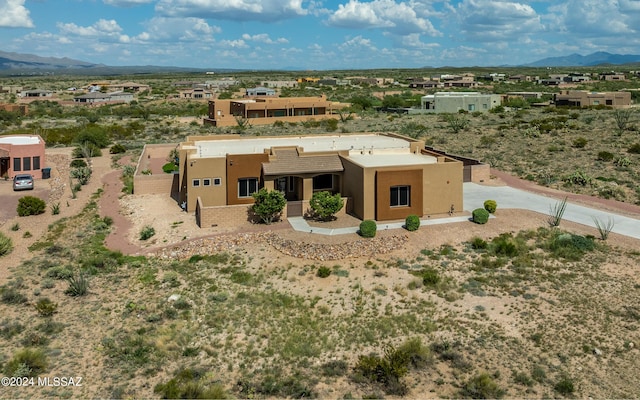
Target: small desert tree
268 205
457 122
325 205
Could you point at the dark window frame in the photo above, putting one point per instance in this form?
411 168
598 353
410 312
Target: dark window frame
400 196
246 187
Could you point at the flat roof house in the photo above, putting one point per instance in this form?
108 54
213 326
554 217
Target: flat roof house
264 111
583 98
21 154
452 102
383 176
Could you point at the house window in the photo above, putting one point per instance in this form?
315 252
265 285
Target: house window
206 182
485 106
323 182
195 183
292 184
36 162
400 196
247 186
26 163
17 164
609 102
472 107
217 181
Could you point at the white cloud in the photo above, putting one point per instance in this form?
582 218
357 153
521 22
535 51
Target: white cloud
595 18
357 43
263 38
234 44
180 29
398 18
13 14
126 3
237 10
497 20
102 28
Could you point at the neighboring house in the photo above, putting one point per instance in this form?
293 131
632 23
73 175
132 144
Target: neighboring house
583 98
21 109
196 94
120 87
222 84
279 84
260 92
21 154
263 111
382 177
613 76
36 93
452 102
99 97
420 84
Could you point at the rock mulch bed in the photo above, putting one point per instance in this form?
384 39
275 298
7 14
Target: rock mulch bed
312 251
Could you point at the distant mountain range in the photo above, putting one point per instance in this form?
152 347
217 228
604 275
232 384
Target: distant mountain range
28 64
590 60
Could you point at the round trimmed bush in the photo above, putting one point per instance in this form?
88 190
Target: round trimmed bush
490 205
480 216
323 272
30 205
117 149
368 228
412 223
78 163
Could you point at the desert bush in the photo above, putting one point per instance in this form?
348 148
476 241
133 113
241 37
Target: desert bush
26 362
6 244
482 386
46 307
11 295
490 206
55 208
268 205
580 143
430 277
634 148
504 245
86 150
412 222
368 228
169 168
605 156
117 149
190 384
564 386
323 272
604 228
569 246
78 285
334 368
578 178
480 216
59 272
622 162
325 205
147 232
82 174
478 243
78 163
30 205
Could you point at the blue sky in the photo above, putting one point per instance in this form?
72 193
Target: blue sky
317 34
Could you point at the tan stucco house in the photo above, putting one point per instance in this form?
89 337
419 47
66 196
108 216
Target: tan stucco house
382 176
21 154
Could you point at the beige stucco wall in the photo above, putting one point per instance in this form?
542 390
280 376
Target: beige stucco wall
442 188
153 184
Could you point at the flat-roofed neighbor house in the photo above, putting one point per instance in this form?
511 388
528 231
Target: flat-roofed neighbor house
263 111
21 154
452 102
382 176
583 98
99 97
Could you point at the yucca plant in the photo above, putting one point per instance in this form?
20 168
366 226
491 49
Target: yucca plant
78 285
6 245
556 212
604 227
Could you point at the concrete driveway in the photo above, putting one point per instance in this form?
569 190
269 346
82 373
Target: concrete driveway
9 198
508 197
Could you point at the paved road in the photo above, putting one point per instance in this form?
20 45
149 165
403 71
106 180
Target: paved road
506 197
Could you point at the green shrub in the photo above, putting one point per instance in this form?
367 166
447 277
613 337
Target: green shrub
6 245
190 384
323 272
368 228
147 232
11 295
430 277
169 168
325 205
55 208
580 143
30 205
268 205
412 223
482 386
605 156
82 174
46 307
117 149
480 216
478 243
564 386
78 163
490 206
634 149
26 362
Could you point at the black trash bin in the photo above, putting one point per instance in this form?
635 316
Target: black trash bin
46 173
